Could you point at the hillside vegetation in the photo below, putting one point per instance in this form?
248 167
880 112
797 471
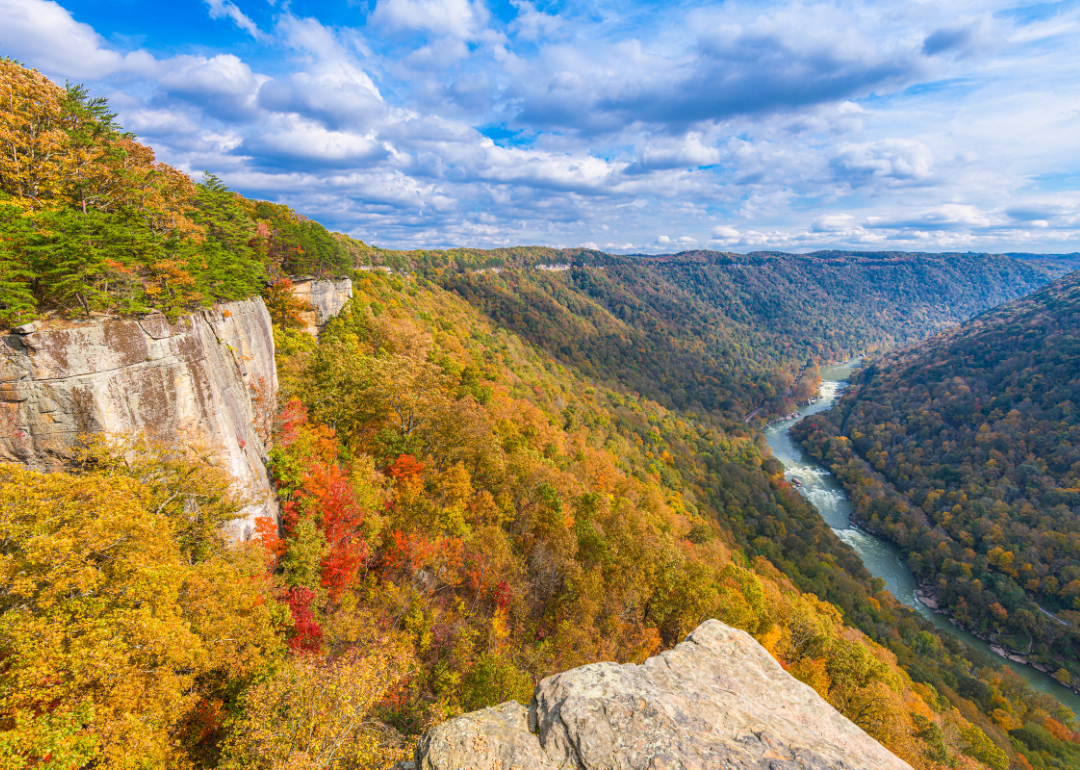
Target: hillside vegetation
725 333
464 512
976 437
90 222
462 517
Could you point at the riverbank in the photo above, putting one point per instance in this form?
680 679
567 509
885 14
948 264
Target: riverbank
881 558
927 595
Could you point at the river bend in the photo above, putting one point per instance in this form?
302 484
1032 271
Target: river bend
881 558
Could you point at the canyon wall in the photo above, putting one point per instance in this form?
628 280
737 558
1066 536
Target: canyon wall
718 700
207 379
325 298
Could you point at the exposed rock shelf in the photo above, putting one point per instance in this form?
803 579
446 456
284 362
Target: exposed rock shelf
325 298
718 700
197 380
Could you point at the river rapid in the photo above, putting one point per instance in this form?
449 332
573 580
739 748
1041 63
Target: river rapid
881 558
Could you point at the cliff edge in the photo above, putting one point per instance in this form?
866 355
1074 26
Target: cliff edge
718 700
208 378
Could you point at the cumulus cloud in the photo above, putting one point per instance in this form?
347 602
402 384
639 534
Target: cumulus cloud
333 89
831 223
223 86
302 144
532 24
44 35
725 234
454 18
681 152
896 161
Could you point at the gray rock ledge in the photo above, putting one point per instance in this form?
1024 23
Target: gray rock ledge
718 700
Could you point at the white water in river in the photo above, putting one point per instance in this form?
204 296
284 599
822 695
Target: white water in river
881 558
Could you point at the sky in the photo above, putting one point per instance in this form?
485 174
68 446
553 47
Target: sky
638 127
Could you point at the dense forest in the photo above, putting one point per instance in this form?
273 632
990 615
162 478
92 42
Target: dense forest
464 512
728 333
965 451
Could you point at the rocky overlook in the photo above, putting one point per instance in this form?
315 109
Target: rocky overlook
718 700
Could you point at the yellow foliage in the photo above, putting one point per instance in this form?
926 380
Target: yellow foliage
316 715
106 619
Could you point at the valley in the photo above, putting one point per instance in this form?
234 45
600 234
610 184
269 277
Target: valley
882 559
275 498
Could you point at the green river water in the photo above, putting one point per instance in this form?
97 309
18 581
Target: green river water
881 558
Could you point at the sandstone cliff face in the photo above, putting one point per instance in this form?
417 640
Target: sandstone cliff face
206 378
718 700
325 298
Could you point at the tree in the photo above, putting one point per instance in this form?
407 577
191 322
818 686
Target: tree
316 715
116 629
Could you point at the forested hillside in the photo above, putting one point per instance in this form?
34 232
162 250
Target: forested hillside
976 437
724 333
462 516
91 223
466 507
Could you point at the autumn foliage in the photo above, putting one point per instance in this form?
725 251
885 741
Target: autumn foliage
460 515
91 222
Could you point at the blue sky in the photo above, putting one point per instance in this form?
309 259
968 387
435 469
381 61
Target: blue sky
628 126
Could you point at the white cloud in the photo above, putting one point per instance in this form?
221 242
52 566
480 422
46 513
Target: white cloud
333 89
663 239
896 161
221 9
532 24
831 223
454 18
675 152
300 141
43 35
726 235
223 86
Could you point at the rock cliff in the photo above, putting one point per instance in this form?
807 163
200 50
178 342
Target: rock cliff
324 297
718 700
210 378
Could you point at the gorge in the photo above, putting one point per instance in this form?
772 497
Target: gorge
883 559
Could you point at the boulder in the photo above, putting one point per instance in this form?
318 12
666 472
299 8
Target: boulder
718 700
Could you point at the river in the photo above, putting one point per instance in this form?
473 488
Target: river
881 558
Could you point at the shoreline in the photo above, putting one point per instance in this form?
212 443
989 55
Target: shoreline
927 596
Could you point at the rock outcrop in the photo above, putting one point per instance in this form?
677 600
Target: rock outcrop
209 378
325 298
718 700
